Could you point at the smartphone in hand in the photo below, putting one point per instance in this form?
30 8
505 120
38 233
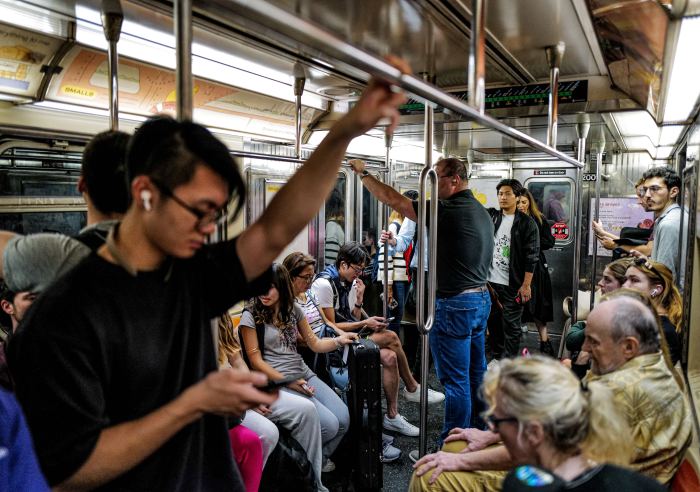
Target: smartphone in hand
275 385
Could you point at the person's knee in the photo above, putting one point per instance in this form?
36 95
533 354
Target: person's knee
388 358
454 446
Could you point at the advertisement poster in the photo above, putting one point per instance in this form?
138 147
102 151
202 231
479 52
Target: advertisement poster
616 213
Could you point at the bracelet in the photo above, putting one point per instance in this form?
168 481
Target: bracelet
364 174
359 306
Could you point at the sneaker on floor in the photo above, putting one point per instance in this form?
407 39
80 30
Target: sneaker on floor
328 467
387 439
415 456
433 396
546 348
389 453
401 425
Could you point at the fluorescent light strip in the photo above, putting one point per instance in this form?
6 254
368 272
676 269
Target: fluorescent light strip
157 48
684 89
75 108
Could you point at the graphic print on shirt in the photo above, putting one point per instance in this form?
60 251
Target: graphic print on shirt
288 337
501 253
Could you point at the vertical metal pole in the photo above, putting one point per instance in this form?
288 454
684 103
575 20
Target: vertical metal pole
425 320
183 51
477 61
299 82
582 127
600 147
554 56
112 18
387 143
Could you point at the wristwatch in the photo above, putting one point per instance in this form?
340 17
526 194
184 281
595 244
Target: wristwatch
364 174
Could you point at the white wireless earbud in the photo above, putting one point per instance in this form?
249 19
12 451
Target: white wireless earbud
655 292
146 199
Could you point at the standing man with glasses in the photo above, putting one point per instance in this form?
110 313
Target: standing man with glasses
115 364
515 256
465 248
661 187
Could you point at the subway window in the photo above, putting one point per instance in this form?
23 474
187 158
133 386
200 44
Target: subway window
335 220
554 201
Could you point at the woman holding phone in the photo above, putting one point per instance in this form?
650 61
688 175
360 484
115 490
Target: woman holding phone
311 410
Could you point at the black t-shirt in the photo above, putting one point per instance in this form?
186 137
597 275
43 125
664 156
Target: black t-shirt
672 339
464 244
101 347
603 478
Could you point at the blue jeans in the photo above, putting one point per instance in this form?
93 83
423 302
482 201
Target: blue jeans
457 343
400 289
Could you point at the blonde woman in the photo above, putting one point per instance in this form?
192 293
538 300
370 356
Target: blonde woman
561 433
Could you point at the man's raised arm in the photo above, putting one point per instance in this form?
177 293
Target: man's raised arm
384 193
298 202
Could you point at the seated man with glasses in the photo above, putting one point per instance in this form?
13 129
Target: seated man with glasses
340 295
622 336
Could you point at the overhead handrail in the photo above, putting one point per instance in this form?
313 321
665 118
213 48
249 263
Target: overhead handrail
275 22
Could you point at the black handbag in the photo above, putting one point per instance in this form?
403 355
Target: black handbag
288 468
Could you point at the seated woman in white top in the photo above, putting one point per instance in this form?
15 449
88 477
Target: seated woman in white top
315 415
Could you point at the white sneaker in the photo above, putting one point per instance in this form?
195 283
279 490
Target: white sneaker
387 439
328 467
401 425
433 396
389 453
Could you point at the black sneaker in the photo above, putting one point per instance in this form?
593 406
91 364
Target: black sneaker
547 349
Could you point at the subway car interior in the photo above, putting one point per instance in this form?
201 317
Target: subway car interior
576 99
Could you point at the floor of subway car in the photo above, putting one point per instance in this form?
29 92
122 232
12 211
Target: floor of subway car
397 474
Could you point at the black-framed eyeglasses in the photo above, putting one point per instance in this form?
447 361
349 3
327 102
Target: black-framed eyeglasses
493 422
358 270
306 278
204 219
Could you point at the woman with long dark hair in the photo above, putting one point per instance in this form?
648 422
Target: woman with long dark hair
313 412
539 310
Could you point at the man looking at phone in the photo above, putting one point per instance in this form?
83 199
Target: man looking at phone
516 253
119 352
340 294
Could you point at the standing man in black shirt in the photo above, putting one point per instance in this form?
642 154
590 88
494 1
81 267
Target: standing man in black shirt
515 256
465 247
115 365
